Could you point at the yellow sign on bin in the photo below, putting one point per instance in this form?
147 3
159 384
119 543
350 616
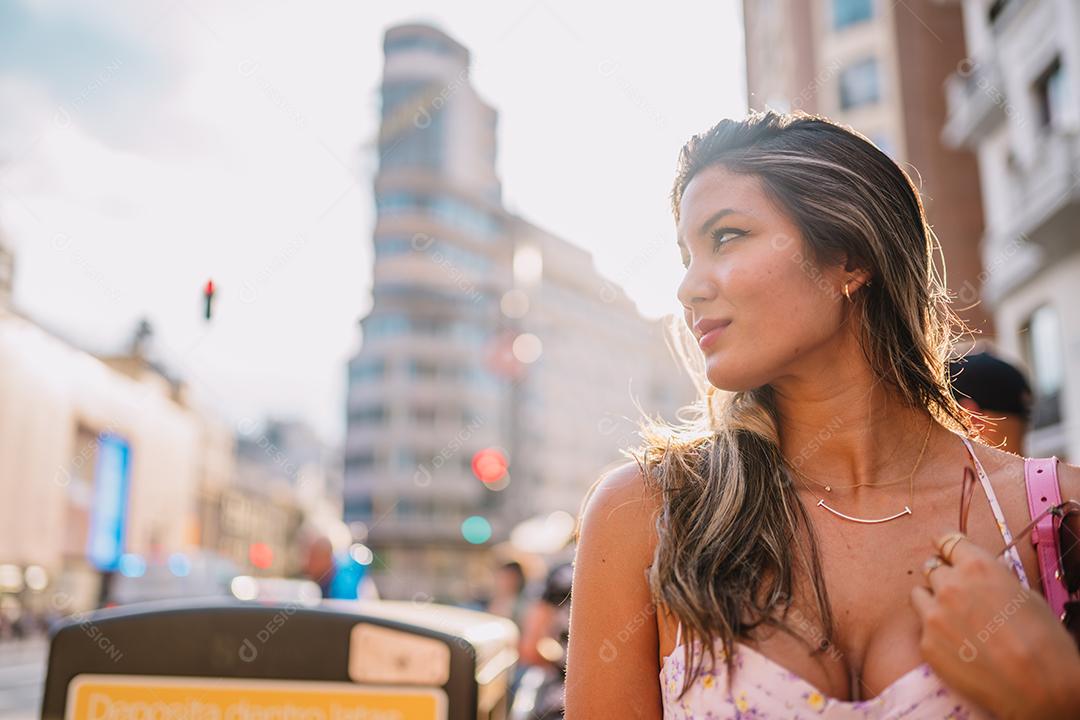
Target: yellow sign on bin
133 697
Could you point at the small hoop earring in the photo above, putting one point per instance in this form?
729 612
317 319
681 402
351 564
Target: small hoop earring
846 293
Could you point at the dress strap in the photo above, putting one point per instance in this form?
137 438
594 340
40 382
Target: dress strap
1012 555
678 634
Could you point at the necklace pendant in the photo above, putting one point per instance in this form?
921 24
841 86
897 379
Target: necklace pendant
905 511
828 488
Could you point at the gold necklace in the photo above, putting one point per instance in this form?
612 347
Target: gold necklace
828 486
911 489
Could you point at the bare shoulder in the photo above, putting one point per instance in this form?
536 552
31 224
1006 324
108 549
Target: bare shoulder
1007 472
612 666
616 526
621 501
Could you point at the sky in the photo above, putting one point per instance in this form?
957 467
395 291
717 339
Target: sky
148 146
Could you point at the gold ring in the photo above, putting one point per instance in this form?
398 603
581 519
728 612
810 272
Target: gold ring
932 564
946 553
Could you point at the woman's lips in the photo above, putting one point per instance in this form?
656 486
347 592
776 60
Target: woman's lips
709 337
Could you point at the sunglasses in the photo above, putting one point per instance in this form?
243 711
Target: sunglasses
1067 527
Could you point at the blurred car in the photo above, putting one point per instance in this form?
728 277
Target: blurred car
286 591
188 575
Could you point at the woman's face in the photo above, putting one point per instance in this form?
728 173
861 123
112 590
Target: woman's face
748 268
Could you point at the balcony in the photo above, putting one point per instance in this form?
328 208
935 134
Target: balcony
1044 197
1046 193
976 103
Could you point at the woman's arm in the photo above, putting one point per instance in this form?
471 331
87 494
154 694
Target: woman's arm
612 663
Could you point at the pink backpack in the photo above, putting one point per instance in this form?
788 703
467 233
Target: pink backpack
1040 475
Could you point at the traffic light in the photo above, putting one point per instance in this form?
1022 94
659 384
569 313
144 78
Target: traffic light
208 296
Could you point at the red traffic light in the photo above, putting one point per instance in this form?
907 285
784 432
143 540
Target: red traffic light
208 295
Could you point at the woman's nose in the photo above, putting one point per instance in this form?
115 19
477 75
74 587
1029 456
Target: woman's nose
696 287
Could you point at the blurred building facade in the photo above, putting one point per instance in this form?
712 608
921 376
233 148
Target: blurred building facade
287 490
290 454
116 483
1015 101
99 459
879 67
489 342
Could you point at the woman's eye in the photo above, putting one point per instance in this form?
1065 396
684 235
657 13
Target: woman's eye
719 237
723 235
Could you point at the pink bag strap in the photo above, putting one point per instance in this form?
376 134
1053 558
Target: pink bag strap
1040 475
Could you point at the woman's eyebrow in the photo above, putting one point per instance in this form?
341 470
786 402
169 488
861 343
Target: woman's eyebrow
719 214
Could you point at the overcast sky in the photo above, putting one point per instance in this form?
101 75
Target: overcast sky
148 146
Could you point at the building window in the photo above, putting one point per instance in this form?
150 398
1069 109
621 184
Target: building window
406 458
416 42
412 293
412 131
358 508
849 12
1050 94
368 415
859 84
422 414
366 371
481 377
454 212
997 7
392 247
386 325
445 254
1045 358
427 369
363 460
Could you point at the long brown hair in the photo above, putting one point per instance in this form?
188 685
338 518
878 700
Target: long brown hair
730 517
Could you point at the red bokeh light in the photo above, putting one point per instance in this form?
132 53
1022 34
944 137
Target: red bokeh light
261 555
489 465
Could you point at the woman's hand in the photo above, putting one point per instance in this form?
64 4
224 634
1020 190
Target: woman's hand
993 640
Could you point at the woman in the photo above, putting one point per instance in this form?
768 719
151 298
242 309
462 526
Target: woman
783 525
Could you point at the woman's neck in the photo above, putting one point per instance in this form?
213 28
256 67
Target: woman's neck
850 428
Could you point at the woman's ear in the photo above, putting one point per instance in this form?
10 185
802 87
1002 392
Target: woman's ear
854 274
860 278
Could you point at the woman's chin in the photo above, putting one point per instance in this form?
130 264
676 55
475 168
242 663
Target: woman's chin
729 381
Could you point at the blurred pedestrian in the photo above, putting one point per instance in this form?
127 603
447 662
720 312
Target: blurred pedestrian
547 620
537 689
338 576
999 396
508 598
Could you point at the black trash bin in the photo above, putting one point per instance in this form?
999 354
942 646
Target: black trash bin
254 661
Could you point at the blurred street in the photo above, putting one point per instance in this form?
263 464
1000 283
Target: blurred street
22 677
